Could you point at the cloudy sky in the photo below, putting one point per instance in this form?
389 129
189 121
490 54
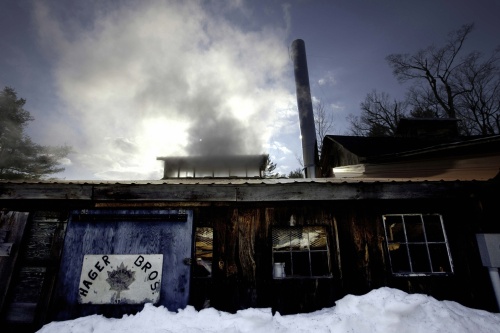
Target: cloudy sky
125 81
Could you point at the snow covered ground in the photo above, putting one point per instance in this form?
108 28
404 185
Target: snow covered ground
382 310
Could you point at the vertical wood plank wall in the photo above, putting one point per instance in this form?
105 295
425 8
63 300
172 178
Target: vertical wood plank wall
242 275
365 264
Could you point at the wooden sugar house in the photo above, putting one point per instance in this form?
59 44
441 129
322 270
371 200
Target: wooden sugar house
215 233
234 243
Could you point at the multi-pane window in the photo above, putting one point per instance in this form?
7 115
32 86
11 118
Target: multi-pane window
417 244
301 252
204 243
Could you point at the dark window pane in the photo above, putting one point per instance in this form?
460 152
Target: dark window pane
399 258
419 258
395 231
319 263
286 258
300 264
433 228
440 258
414 228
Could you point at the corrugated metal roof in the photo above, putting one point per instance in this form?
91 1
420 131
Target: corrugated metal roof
239 181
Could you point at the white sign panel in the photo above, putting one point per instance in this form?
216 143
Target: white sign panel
120 279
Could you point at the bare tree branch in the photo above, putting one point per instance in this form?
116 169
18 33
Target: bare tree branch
379 116
437 67
323 122
449 84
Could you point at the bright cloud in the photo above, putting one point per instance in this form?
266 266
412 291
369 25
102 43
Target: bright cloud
336 107
161 78
327 79
278 146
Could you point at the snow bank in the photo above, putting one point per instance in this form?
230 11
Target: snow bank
382 310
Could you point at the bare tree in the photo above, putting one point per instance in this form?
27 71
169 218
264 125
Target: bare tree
449 84
379 115
323 122
479 106
437 67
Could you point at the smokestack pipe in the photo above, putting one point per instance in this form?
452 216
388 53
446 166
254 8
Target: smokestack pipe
304 103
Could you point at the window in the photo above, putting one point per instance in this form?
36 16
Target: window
417 244
204 241
300 252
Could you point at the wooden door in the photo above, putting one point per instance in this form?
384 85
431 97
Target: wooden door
124 232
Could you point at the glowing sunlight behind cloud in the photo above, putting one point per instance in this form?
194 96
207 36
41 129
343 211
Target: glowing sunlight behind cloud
152 79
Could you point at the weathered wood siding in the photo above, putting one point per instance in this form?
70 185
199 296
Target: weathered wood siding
242 265
365 263
243 217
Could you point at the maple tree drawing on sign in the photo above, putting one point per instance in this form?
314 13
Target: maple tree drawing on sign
120 279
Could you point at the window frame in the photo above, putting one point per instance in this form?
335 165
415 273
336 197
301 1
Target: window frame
425 242
296 252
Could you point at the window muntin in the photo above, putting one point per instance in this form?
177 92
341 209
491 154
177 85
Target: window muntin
417 244
303 250
204 243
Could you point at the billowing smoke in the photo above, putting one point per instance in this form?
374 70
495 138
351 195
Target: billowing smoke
223 135
160 78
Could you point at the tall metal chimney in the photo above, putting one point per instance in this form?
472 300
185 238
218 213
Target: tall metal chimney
304 103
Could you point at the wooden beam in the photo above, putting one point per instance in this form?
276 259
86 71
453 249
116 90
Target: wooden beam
92 194
45 191
283 192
